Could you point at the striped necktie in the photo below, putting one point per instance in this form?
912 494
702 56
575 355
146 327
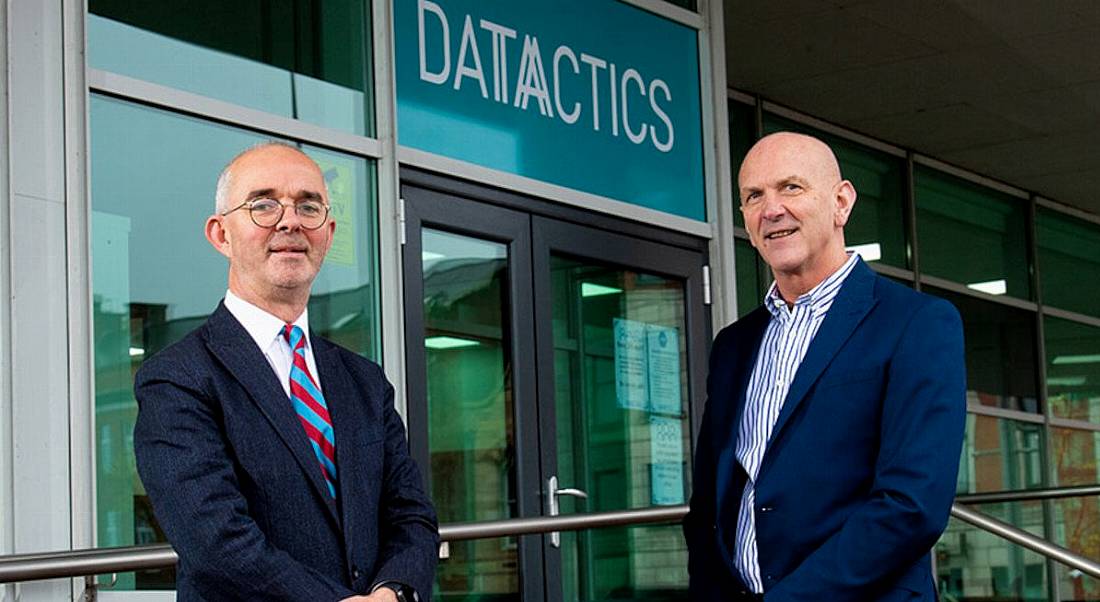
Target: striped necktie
310 405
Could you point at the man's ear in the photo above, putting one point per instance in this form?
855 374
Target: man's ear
217 234
845 201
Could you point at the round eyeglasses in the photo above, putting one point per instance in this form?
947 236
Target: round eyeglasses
267 213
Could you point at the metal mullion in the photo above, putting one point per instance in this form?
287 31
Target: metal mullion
972 177
962 289
156 95
1067 210
1005 413
1071 316
1080 425
909 206
1045 461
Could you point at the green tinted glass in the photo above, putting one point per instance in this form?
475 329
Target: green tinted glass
1000 352
742 123
753 277
876 227
152 188
1069 262
972 564
471 435
1000 455
622 425
306 59
971 234
1073 369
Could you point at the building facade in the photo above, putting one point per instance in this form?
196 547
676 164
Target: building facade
537 236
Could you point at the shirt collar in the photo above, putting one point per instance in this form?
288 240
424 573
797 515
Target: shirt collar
819 298
262 326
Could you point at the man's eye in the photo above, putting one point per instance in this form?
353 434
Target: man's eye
309 208
792 187
751 198
265 205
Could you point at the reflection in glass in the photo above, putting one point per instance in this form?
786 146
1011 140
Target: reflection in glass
1075 460
1073 369
470 409
1069 262
1000 455
876 228
306 59
1000 352
155 277
975 565
971 234
622 425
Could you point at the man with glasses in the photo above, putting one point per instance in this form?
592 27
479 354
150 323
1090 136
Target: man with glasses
274 459
826 462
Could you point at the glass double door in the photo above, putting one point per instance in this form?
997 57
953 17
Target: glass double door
553 368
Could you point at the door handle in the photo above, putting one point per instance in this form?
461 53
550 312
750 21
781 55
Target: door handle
552 493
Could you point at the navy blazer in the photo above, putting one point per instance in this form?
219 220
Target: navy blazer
859 474
240 494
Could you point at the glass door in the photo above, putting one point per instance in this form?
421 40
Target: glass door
621 349
471 391
553 368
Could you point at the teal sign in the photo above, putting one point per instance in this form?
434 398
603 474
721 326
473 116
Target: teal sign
595 95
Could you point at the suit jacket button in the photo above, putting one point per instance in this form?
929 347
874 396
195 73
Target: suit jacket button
355 574
767 508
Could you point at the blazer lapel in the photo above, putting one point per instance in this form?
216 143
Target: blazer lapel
728 428
852 303
340 395
237 351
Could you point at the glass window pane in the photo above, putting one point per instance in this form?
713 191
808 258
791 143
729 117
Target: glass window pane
471 436
971 234
1075 460
1073 369
876 227
753 277
1000 352
742 123
308 59
155 277
972 564
1069 262
1000 455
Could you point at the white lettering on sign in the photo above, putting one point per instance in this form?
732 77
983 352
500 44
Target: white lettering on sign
625 94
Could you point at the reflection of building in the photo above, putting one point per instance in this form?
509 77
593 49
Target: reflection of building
974 155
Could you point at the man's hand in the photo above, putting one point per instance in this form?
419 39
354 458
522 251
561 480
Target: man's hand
382 594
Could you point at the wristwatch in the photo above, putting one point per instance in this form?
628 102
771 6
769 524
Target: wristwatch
404 593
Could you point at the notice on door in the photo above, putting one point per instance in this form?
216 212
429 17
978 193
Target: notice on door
666 469
647 367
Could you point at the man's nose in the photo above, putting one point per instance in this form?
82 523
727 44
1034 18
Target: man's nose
290 221
771 206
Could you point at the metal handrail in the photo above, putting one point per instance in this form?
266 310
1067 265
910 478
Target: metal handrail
1027 495
99 561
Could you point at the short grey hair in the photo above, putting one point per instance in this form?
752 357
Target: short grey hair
225 179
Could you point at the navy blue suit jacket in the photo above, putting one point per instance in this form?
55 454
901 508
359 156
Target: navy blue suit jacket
240 494
858 477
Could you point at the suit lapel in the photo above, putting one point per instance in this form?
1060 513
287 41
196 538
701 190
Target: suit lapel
728 429
339 396
854 300
237 351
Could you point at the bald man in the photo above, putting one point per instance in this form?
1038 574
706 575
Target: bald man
274 459
826 463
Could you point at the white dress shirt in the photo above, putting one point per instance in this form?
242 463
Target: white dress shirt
267 331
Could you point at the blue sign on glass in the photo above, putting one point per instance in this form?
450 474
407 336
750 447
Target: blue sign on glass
595 95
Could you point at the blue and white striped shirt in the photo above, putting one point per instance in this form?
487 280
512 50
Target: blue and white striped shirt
785 342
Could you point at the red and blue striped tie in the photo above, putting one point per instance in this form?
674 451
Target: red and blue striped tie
310 405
